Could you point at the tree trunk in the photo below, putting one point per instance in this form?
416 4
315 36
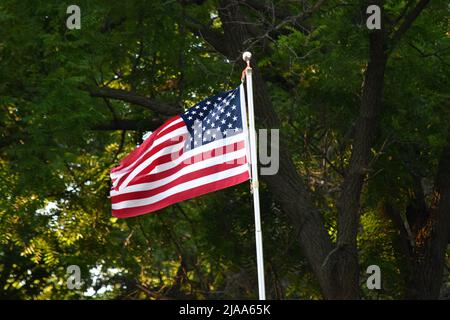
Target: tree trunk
287 185
292 194
431 239
365 134
336 270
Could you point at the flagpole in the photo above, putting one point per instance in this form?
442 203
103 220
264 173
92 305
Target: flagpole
254 170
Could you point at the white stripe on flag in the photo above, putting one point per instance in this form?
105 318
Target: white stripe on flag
193 152
185 170
181 187
157 142
168 150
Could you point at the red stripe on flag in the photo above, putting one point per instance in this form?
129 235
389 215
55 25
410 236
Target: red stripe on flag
157 161
146 175
136 153
184 195
184 178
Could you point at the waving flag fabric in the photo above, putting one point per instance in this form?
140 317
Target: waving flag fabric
200 151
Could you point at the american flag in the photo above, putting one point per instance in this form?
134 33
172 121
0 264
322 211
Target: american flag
200 151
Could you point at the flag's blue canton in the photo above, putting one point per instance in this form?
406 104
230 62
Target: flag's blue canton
214 118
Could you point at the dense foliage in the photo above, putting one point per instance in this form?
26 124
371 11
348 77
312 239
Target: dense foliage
59 140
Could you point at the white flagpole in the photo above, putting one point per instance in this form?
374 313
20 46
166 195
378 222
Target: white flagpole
255 184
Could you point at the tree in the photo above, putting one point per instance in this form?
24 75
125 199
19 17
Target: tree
364 144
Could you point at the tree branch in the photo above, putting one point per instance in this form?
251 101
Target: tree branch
408 21
427 55
127 124
284 14
403 13
214 38
134 98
